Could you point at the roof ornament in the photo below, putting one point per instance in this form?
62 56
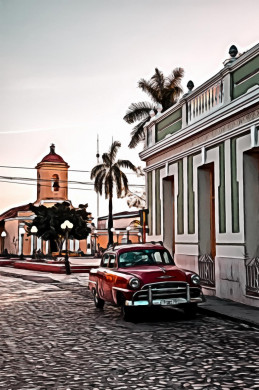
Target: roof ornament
234 54
190 86
52 149
233 51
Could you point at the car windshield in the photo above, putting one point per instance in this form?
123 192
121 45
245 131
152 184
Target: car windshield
145 257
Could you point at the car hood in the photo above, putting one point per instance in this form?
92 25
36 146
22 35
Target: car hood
156 274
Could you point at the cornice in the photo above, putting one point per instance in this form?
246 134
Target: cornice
224 112
206 144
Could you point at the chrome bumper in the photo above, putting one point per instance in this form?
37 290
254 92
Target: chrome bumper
164 302
152 298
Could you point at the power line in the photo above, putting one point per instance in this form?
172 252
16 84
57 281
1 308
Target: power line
54 169
42 185
61 181
11 181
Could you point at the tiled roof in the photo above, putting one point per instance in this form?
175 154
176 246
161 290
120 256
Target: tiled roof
53 156
12 213
122 214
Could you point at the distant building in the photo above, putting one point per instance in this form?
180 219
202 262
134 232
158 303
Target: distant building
52 188
202 170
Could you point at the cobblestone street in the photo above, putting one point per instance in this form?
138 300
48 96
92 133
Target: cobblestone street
52 337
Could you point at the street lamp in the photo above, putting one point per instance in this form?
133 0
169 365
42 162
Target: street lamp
22 231
34 231
95 238
139 235
67 226
128 230
3 235
117 234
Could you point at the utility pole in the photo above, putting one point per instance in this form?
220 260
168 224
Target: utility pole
97 157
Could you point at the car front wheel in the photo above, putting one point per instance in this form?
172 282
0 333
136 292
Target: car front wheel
190 310
126 312
99 303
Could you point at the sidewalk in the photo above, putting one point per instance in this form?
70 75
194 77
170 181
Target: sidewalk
213 306
231 310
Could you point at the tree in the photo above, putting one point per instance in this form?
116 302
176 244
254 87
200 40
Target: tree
108 174
164 92
137 199
48 221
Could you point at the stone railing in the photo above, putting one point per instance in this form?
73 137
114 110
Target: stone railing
206 101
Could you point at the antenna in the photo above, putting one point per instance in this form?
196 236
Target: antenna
97 157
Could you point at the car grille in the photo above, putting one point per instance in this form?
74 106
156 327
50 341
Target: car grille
166 290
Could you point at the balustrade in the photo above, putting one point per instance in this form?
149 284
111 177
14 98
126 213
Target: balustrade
205 102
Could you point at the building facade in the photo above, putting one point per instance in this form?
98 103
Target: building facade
202 171
52 188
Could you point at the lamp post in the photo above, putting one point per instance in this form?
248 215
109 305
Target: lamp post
95 238
112 230
34 231
139 235
67 226
117 234
22 231
128 230
3 235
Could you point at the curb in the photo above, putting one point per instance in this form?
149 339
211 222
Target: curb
214 313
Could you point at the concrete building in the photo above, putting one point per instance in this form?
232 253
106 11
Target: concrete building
202 171
52 187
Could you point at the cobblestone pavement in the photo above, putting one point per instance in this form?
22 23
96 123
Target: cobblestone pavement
52 337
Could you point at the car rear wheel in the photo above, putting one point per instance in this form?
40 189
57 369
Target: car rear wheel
190 310
99 303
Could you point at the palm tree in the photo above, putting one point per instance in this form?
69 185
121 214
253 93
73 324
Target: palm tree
164 91
107 175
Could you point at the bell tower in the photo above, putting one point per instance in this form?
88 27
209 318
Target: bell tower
52 176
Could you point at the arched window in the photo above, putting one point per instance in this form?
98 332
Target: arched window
55 183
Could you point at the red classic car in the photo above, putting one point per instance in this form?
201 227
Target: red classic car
138 275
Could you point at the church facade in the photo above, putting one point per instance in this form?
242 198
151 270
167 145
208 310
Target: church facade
52 188
202 171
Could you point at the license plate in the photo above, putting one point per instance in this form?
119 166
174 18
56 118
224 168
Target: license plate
165 302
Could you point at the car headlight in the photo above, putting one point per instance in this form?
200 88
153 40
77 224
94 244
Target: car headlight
134 283
195 279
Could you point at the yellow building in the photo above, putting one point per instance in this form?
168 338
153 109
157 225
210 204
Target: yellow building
52 187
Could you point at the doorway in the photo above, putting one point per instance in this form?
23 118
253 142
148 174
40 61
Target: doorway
169 214
206 217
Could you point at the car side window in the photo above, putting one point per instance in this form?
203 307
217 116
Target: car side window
105 260
112 261
158 258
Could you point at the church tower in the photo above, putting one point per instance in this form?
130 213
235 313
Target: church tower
52 176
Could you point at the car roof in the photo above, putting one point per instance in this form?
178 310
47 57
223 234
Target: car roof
133 247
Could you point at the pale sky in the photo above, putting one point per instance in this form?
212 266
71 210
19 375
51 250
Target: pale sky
69 70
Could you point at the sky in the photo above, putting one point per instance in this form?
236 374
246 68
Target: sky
69 71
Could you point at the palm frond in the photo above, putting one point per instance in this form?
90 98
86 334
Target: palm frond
157 82
117 179
108 185
175 78
106 159
149 89
126 164
137 133
138 111
96 170
125 183
99 181
114 150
